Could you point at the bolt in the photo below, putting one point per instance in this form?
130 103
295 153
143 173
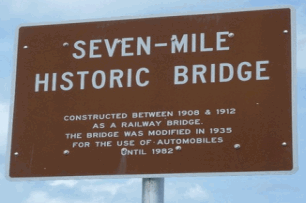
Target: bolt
66 152
66 44
285 31
16 153
25 47
237 146
173 38
123 151
119 41
230 35
178 148
284 144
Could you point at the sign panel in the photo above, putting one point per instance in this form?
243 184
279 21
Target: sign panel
163 96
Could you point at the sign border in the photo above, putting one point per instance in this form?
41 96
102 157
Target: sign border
209 174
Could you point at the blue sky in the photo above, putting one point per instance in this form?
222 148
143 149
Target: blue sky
225 189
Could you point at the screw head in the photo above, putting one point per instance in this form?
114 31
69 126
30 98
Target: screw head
123 151
66 152
173 38
285 31
230 35
16 153
66 44
237 146
178 148
284 144
25 47
119 41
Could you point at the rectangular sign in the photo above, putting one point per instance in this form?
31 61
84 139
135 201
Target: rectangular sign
199 94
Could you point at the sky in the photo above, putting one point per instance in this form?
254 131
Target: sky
223 189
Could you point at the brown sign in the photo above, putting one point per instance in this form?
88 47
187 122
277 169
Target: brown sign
191 94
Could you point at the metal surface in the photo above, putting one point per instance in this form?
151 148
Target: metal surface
153 190
264 116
